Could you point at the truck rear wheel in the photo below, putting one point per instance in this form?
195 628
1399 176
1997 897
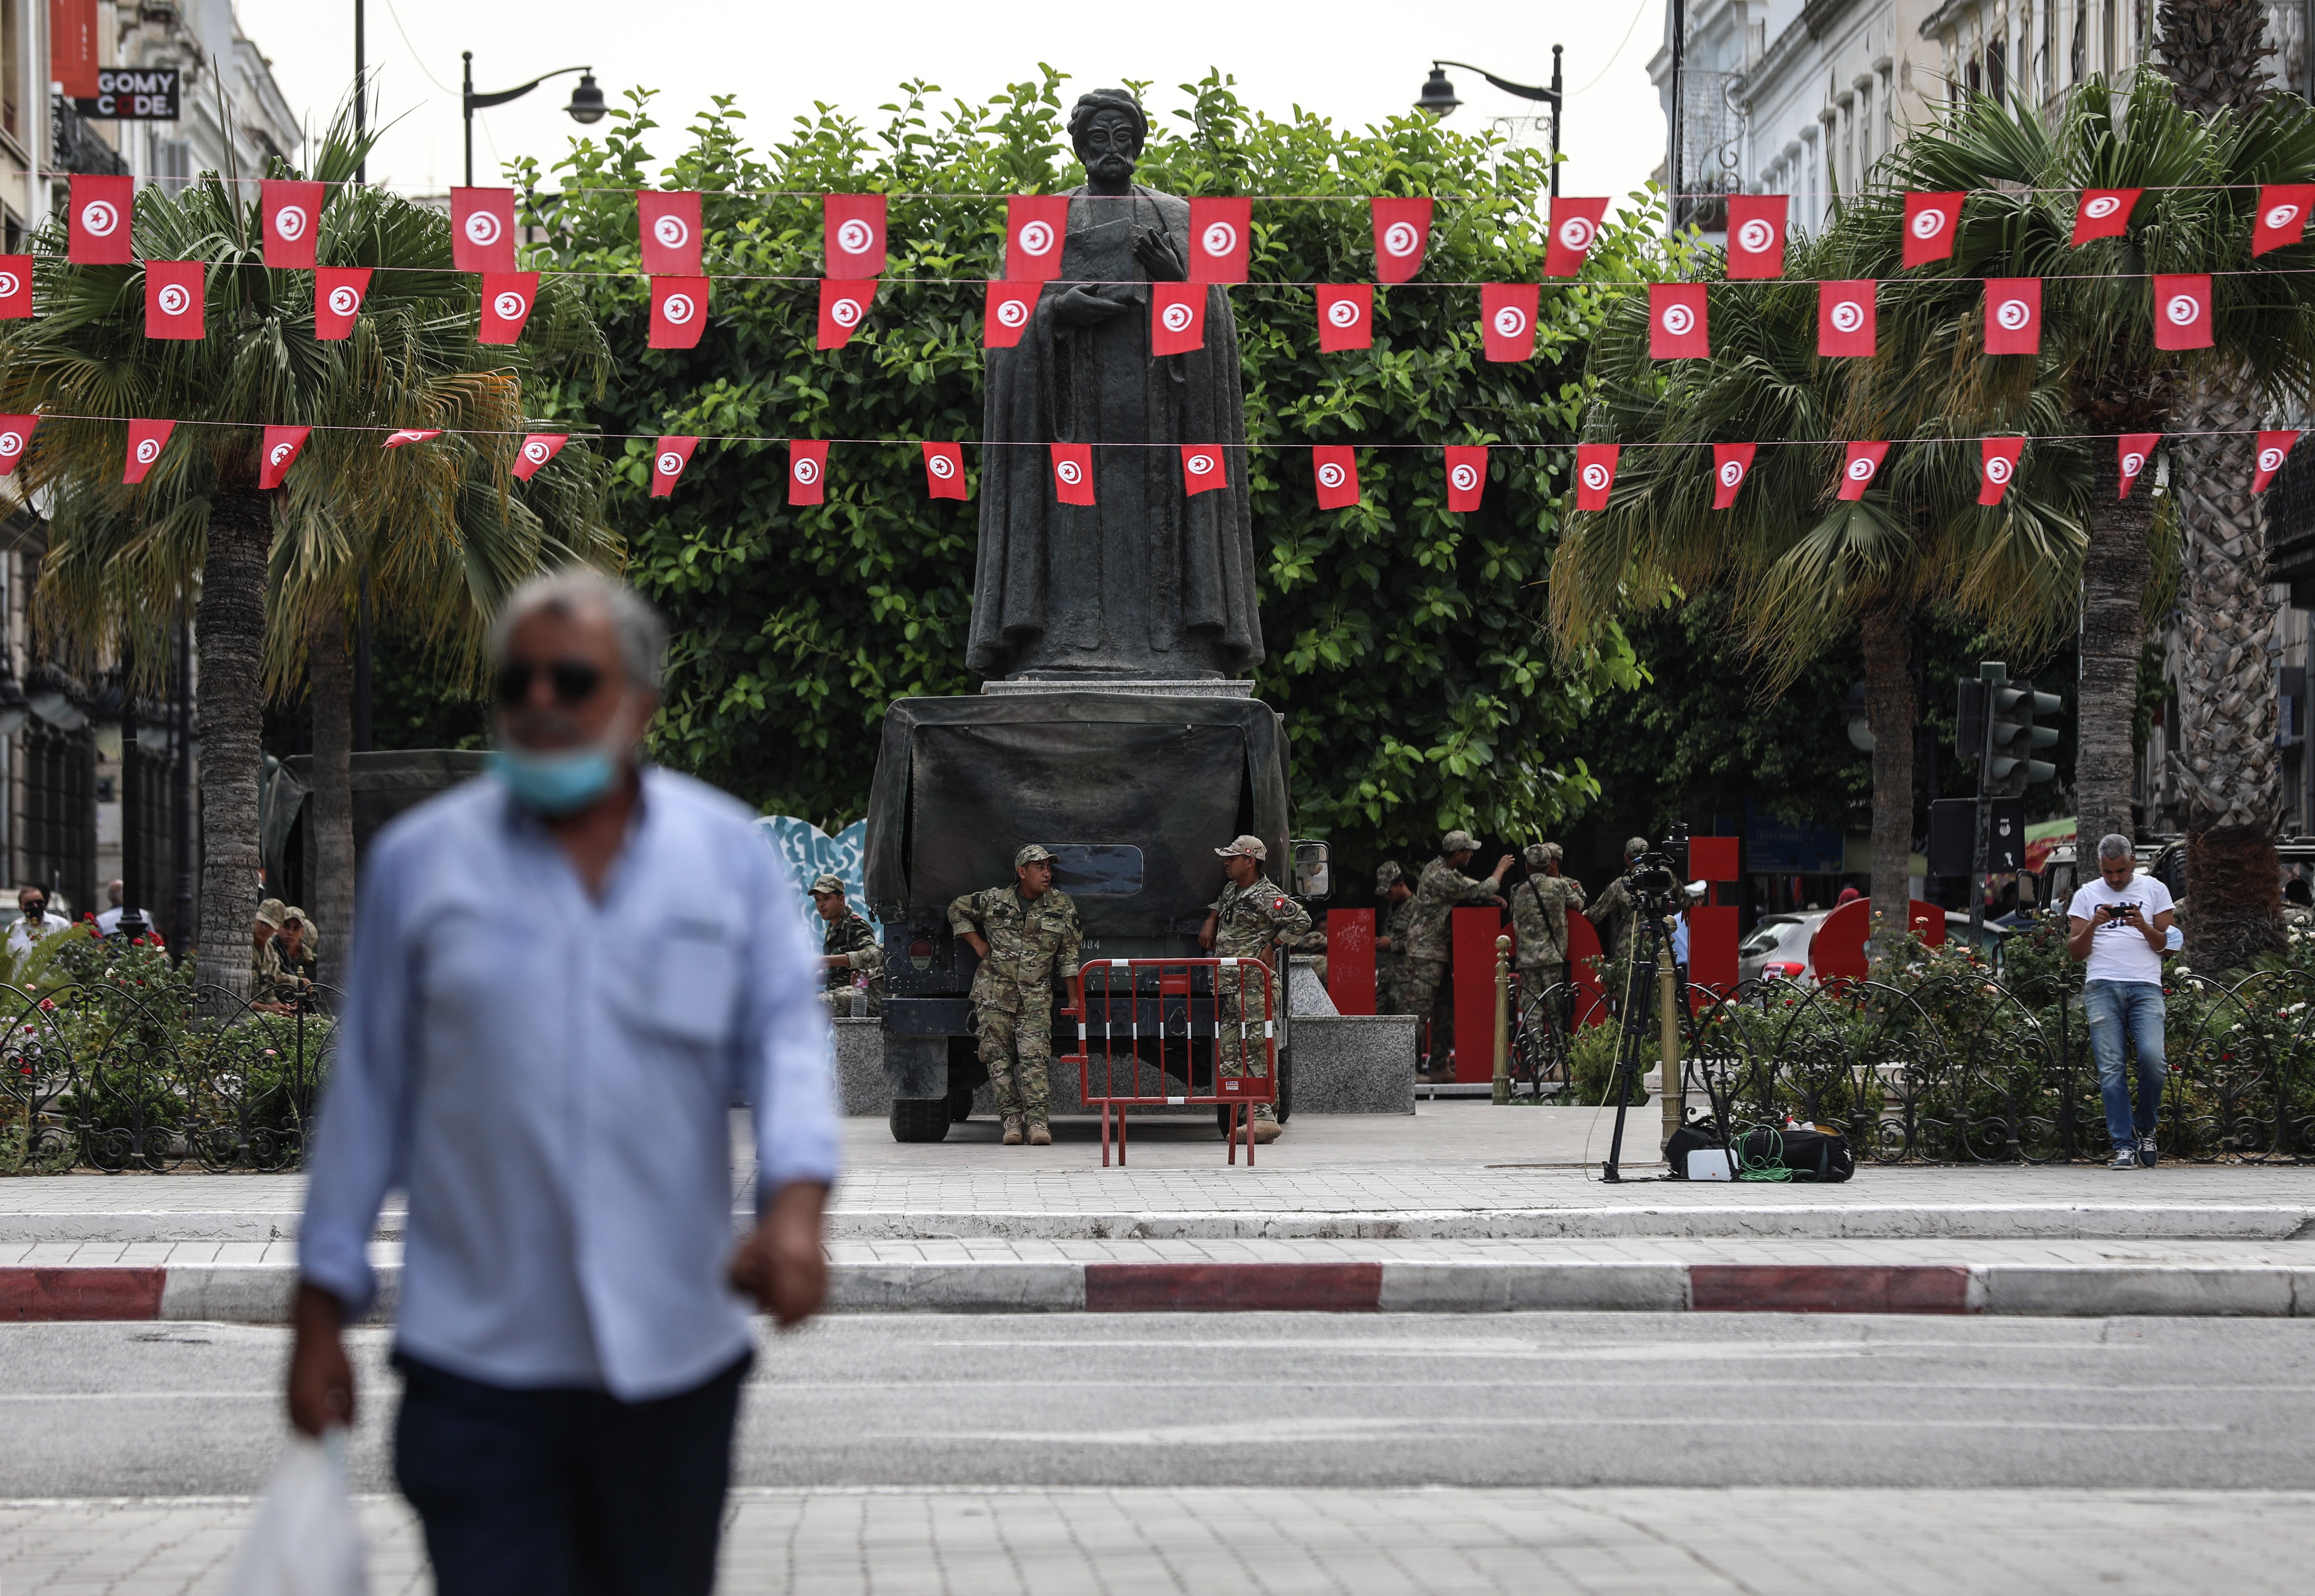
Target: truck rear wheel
919 1118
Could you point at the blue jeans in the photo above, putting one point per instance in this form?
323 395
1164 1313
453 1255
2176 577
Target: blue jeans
2134 1007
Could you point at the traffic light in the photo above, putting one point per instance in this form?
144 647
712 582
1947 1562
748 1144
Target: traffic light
2014 738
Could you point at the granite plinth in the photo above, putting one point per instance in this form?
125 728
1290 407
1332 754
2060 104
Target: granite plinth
1133 687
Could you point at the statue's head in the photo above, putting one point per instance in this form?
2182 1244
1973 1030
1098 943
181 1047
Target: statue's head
1108 126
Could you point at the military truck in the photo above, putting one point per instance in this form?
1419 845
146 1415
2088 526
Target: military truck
1132 792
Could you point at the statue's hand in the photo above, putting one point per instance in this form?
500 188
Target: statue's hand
1082 307
1160 257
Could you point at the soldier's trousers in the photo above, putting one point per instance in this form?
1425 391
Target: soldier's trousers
1244 1050
1389 981
1424 979
1018 1049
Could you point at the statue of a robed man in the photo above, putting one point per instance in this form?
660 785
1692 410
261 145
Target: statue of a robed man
1148 580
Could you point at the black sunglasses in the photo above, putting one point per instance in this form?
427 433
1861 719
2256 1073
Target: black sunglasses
574 681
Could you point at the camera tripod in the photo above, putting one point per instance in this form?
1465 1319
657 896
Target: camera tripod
1651 946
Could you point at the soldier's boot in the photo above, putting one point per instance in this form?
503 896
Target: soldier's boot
1012 1131
1040 1135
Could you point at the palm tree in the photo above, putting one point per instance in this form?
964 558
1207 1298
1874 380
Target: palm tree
1801 566
271 570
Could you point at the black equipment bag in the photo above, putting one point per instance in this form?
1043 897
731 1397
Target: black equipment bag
1810 1155
1699 1133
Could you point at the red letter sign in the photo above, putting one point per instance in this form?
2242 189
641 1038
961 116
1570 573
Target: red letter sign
1756 235
2182 312
943 471
673 454
1177 317
2281 218
679 312
1507 320
843 306
146 441
1677 330
1401 229
1574 224
807 469
669 222
1467 474
507 298
1036 225
338 292
2273 447
293 216
855 228
281 447
482 229
173 299
2104 213
2132 450
1931 220
1073 473
1857 471
1999 464
2013 316
537 450
1335 467
1595 474
1345 317
1844 319
1732 462
97 232
1221 238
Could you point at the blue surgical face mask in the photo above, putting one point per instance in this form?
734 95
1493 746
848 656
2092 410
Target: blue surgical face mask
555 783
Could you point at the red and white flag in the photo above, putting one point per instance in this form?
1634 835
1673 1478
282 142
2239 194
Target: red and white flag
854 230
146 439
1845 319
1036 226
1677 330
1073 473
1858 471
338 294
2104 213
1177 317
668 222
1574 227
1931 220
1996 465
679 312
538 448
2282 217
507 298
292 213
409 435
2132 451
281 447
1732 462
1756 235
1334 468
15 287
1221 239
1345 317
1507 320
807 470
2273 447
1467 476
1006 315
15 438
2182 311
2013 316
843 306
1402 228
669 457
173 295
96 232
945 471
1202 470
482 229
1595 474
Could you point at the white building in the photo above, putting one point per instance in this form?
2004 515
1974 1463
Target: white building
232 115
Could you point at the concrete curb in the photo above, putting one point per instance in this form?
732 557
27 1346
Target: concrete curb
260 1294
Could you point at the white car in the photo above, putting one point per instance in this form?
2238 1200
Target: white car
1779 946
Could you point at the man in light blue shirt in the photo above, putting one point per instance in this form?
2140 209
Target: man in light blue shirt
563 975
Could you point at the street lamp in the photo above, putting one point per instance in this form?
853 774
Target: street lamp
1438 99
586 100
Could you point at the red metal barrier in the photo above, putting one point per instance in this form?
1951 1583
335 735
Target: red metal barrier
1151 1024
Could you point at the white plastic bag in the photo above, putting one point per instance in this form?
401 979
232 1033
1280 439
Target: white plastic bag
304 1541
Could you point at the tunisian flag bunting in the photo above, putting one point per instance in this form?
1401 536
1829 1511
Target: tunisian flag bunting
1177 317
338 294
1732 462
173 299
2013 316
1221 239
1335 467
537 450
2273 447
293 216
1931 220
1467 474
507 298
1402 227
1857 472
15 287
2182 312
669 457
409 435
807 469
843 306
1844 319
1574 227
943 471
1507 320
1345 317
2132 450
281 447
668 221
1996 465
482 229
96 233
1073 473
1756 235
2104 213
854 226
1677 330
1035 226
679 312
2281 218
15 437
1202 470
146 439
1595 474
1007 314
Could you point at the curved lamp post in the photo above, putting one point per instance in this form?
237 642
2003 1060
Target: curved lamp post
586 100
1438 99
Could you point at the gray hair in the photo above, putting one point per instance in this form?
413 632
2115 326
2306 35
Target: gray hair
640 635
2113 845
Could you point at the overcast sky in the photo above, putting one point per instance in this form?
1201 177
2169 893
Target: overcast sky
1355 61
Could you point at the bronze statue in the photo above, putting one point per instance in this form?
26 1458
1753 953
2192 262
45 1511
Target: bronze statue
1147 581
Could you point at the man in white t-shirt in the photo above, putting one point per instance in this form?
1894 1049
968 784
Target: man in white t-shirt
2120 924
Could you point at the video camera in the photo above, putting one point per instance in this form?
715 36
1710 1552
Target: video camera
1658 877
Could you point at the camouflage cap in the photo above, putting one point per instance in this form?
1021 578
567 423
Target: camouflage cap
1251 847
1031 854
1540 854
295 913
1458 842
1634 846
1388 875
826 884
270 911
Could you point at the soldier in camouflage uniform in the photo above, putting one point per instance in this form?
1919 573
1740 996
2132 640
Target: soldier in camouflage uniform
1612 914
1390 947
1540 909
1443 886
847 947
1026 936
1248 919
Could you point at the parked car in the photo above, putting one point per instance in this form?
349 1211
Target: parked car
1779 946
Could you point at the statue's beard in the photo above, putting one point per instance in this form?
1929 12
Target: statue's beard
1110 168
